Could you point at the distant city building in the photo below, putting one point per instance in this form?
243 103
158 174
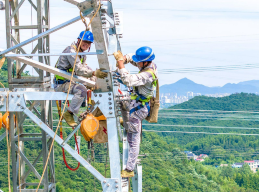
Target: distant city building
170 99
200 160
203 156
253 164
190 155
237 165
223 165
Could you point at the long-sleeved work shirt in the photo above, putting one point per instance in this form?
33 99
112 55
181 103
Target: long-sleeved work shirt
66 62
143 80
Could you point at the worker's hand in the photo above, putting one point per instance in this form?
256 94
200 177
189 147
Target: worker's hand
100 74
118 56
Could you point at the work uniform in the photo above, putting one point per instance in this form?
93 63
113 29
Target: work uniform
79 91
136 111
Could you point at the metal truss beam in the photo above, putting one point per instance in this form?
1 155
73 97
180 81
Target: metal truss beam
54 70
71 151
29 164
106 42
98 52
41 35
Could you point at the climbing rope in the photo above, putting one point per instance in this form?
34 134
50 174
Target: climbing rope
61 136
60 119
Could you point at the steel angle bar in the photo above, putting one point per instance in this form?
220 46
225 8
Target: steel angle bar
32 4
98 52
71 151
125 181
139 170
45 33
16 9
74 2
23 116
71 134
39 96
34 163
54 70
28 163
114 150
28 27
33 107
109 19
28 138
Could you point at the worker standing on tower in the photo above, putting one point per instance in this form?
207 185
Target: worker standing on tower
66 63
143 85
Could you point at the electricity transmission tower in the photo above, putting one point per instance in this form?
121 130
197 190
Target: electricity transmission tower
25 93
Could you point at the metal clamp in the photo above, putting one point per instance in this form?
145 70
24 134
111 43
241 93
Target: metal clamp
86 5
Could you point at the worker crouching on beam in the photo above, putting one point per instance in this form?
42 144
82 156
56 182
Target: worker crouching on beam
66 63
142 91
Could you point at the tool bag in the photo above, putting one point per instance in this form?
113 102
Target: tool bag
154 107
102 134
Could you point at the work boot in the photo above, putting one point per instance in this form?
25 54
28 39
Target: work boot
127 173
69 119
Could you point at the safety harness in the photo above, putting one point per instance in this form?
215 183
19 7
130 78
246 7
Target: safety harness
61 80
140 98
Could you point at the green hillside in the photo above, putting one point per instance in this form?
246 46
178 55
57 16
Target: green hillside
165 166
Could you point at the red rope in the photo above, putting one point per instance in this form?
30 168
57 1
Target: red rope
63 151
120 91
64 155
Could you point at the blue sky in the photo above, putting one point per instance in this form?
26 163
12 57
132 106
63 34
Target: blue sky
183 34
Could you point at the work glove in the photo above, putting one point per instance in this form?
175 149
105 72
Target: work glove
100 74
118 56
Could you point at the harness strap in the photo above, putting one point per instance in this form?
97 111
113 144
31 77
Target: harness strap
140 107
60 78
137 96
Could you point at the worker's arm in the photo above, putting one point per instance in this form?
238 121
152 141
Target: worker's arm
128 59
80 69
133 79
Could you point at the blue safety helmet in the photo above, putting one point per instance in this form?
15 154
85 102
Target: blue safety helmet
87 37
143 54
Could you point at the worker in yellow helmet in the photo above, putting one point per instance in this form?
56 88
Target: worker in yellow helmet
66 63
138 108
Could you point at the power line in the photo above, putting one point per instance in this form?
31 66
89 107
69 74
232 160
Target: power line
195 126
204 110
204 69
208 133
189 10
213 37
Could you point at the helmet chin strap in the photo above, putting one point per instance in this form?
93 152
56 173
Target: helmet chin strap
144 66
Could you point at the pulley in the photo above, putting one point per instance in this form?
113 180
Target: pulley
89 126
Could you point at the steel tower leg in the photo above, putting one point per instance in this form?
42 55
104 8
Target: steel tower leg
16 79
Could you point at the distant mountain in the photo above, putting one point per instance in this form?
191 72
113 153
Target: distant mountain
185 85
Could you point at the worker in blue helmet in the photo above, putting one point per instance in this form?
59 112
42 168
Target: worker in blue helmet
66 63
135 111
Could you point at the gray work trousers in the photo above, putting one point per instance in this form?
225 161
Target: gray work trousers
79 92
132 123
